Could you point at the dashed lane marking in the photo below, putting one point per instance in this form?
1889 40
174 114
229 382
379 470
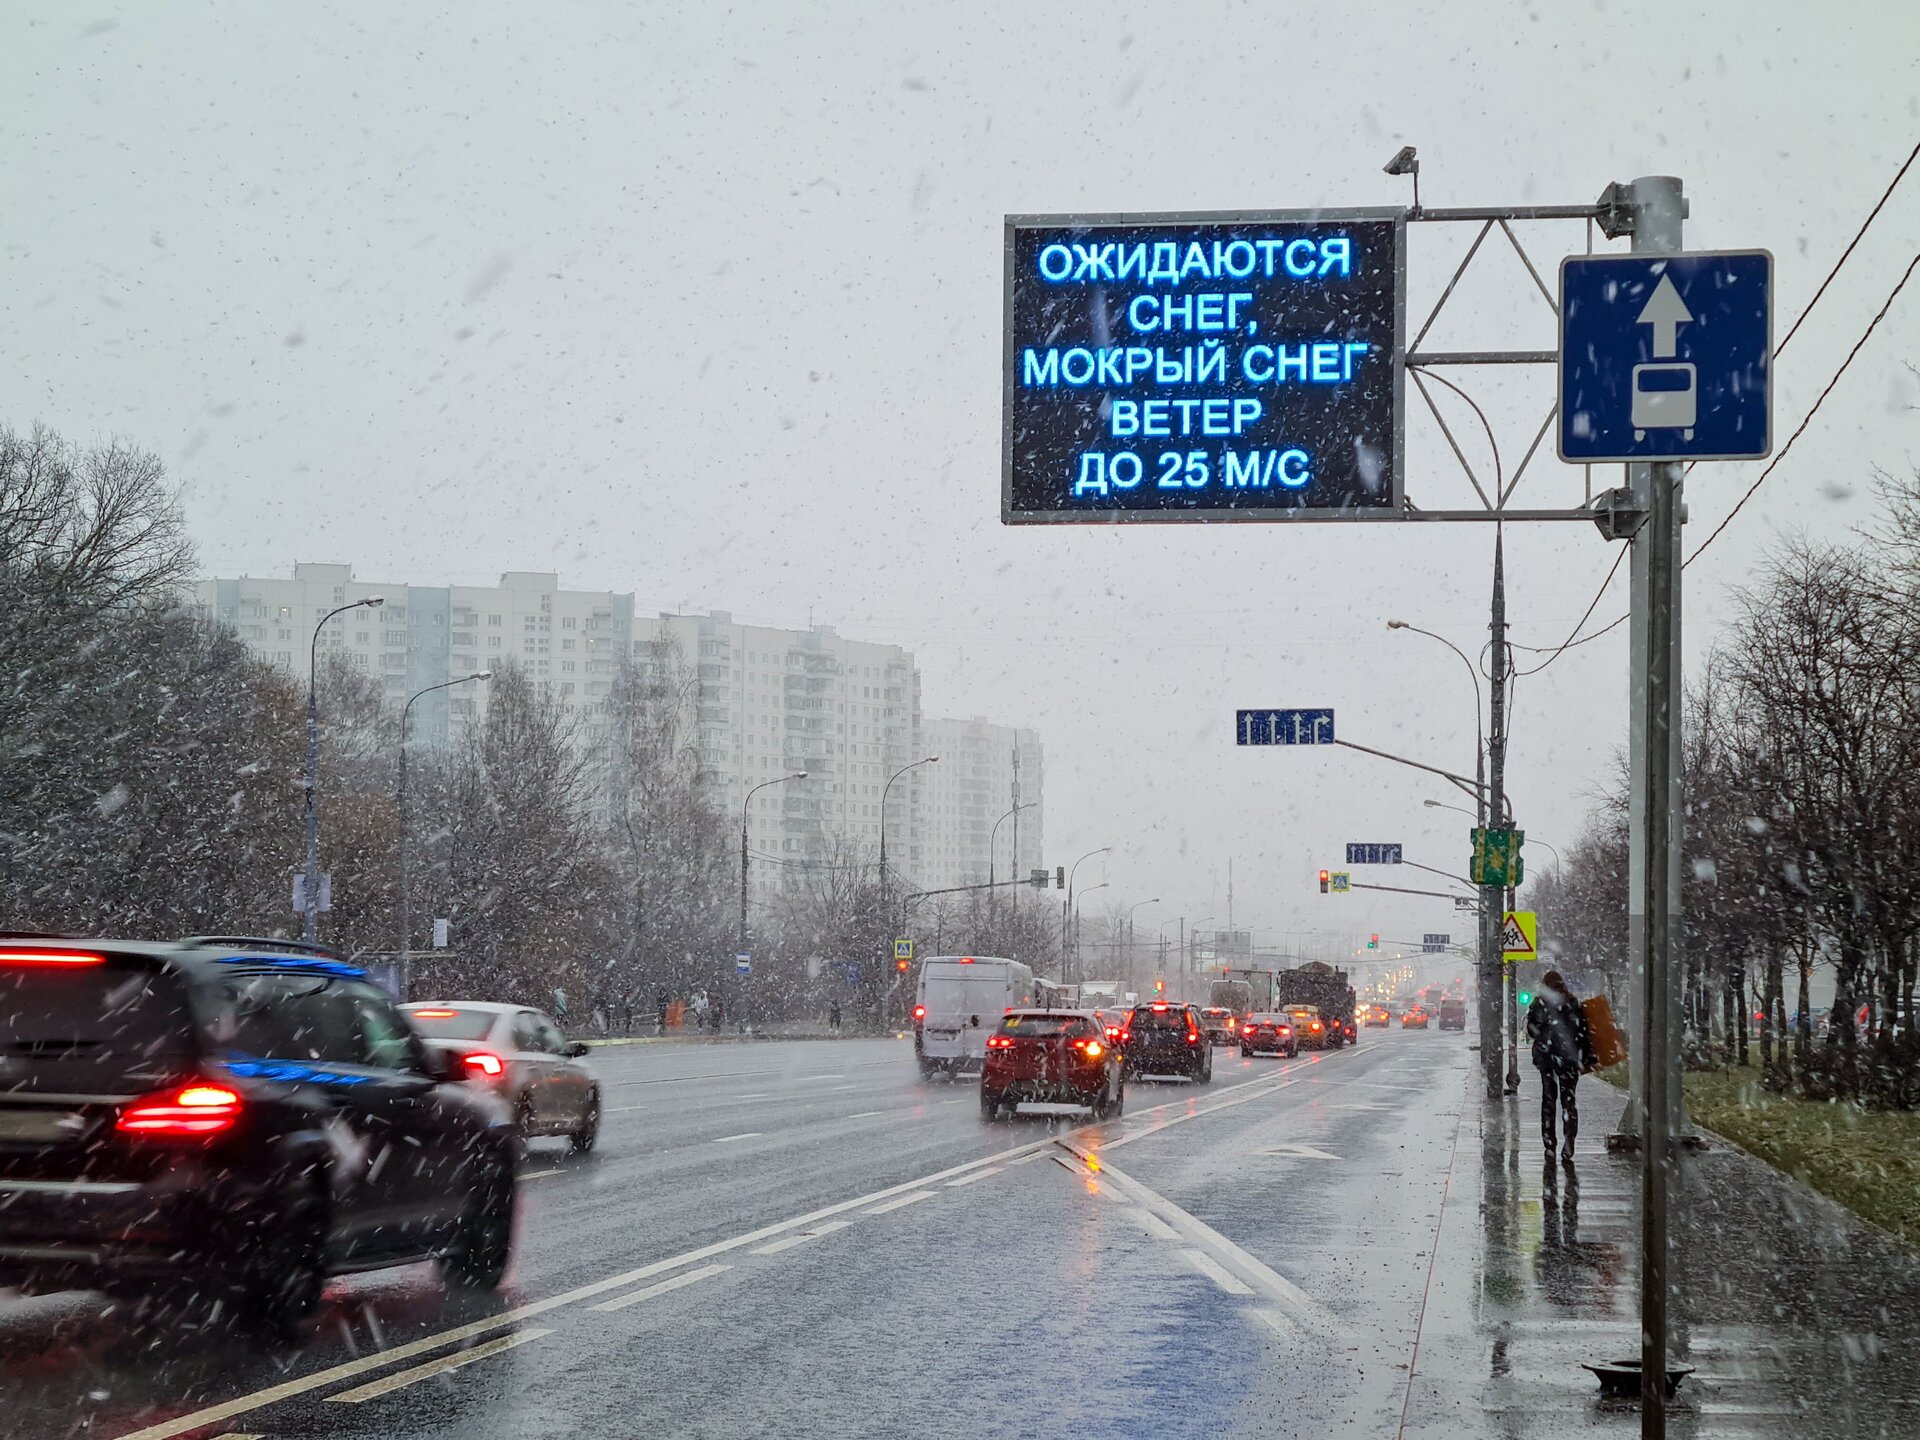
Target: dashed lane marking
678 1282
743 1135
863 1114
976 1175
900 1202
1213 1272
789 1241
387 1384
623 1109
539 1174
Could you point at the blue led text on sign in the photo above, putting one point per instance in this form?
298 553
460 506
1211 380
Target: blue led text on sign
1666 356
1373 854
1284 727
1169 368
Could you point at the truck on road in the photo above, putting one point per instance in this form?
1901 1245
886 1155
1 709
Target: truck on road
959 1004
1327 990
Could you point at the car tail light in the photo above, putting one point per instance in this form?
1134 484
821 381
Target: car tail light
1160 1006
999 1042
485 1062
1283 1029
435 1014
1193 1037
1125 1036
196 1108
1231 1023
1113 1032
1093 1048
1316 1027
16 956
919 1012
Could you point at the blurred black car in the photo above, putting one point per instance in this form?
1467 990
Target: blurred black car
230 1122
1166 1038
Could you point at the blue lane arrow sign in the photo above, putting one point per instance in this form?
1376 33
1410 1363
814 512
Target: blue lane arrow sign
1284 727
1666 357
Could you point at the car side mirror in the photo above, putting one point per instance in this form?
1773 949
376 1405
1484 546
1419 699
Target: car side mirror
576 1048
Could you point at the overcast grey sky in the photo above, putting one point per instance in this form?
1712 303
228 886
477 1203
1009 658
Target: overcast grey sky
704 303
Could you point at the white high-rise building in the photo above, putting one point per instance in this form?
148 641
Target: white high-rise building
971 791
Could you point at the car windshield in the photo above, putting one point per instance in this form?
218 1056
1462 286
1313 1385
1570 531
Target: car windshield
438 1022
750 540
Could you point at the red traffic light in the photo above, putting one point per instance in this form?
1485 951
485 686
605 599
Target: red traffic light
1324 878
902 965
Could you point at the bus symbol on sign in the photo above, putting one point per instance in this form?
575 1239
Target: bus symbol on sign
1284 727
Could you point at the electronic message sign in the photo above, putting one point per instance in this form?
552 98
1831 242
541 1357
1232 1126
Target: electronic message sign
1243 366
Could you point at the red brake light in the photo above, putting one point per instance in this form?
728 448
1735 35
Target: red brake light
1316 1027
1125 1036
919 1012
486 1062
1284 1029
1160 1005
966 959
1193 1037
1231 1022
50 957
194 1109
434 1014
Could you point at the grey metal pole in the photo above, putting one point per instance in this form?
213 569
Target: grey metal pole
1659 208
310 891
1493 970
400 807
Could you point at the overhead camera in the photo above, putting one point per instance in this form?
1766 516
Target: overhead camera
1406 161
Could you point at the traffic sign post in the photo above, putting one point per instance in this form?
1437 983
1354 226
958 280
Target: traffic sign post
1373 854
743 963
1434 943
1283 727
1519 936
1342 882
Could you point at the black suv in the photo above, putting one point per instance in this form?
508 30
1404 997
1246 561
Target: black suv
1165 1038
231 1121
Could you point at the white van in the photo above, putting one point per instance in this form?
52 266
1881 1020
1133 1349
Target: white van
960 1002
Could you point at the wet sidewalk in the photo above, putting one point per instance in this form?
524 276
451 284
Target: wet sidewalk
1800 1319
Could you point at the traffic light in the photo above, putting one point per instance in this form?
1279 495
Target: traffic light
1159 987
1373 942
1324 878
1525 997
1059 877
903 965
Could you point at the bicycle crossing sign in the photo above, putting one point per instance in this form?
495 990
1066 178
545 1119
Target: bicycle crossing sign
1519 933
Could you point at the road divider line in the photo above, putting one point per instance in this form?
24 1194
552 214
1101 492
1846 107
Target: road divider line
1302 1306
1202 1262
900 1203
538 1174
623 1109
678 1282
387 1384
743 1135
976 1175
788 1242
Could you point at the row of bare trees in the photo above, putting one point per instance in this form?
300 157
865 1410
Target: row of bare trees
1802 845
151 784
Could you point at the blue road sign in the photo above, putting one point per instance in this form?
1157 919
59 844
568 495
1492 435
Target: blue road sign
1285 727
743 963
1433 943
1373 854
1666 357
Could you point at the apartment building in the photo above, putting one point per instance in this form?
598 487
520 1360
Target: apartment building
970 792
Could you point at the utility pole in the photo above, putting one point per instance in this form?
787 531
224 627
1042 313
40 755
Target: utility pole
1015 867
1493 969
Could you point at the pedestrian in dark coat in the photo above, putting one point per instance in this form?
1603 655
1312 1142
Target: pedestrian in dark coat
1562 1052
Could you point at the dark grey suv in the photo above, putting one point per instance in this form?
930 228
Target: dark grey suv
233 1121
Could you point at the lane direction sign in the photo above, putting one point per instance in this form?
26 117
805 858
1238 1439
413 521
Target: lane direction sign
1666 357
1373 854
1283 727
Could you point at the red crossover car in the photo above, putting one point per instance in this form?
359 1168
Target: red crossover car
1268 1033
1051 1057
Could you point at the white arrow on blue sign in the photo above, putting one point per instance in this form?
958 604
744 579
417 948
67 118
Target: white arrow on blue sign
1666 357
1360 854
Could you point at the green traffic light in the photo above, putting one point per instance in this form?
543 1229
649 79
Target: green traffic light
1526 998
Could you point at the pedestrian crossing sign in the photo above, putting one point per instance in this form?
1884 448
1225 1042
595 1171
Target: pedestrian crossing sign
1519 932
903 949
1342 882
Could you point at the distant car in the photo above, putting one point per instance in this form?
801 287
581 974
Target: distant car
519 1054
1414 1019
1453 1013
231 1121
1378 1016
1309 1028
1221 1024
1166 1038
1058 1057
1113 1022
1267 1034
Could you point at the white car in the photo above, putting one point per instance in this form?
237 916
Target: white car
520 1055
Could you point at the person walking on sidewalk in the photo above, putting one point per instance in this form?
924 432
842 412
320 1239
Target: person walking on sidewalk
1562 1052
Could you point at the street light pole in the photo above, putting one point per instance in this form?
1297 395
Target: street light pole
746 808
993 839
886 907
1066 909
1130 909
310 898
400 808
1076 921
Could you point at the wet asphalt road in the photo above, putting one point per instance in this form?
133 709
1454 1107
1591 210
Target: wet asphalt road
803 1238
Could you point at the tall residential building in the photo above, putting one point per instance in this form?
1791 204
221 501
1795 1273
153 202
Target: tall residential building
773 702
765 702
969 792
425 634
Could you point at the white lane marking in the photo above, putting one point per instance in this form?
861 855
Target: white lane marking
1204 1264
237 1435
729 1139
387 1384
789 1241
1157 1227
1309 1311
623 1109
213 1414
977 1175
862 1114
842 1089
900 1202
757 1095
680 1281
1303 1152
809 1079
538 1174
